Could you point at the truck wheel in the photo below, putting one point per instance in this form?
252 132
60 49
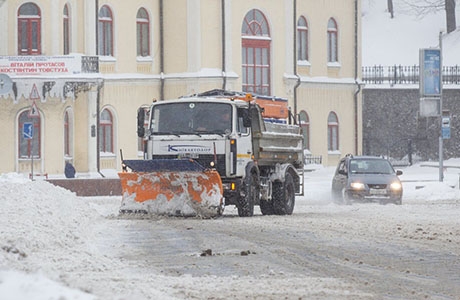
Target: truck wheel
284 196
250 195
266 207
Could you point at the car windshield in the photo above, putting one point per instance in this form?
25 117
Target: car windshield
191 118
370 166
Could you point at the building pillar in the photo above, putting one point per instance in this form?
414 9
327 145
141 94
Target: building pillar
4 24
92 127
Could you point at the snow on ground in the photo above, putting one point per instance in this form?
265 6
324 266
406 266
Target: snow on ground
45 229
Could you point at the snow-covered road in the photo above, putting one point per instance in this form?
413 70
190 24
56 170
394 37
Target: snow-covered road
55 244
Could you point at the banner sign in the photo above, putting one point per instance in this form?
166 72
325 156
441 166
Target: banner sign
430 73
48 65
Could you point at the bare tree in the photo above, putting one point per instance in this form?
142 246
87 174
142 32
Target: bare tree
423 7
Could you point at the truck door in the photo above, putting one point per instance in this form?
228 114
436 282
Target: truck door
244 147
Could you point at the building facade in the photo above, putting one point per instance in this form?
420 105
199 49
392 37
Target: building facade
75 72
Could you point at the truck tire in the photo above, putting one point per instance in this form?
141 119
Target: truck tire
284 196
266 207
250 195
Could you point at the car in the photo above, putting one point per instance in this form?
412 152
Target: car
366 179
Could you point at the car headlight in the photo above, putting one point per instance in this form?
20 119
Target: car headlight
395 186
357 185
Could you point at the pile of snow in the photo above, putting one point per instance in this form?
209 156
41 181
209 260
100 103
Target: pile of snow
38 222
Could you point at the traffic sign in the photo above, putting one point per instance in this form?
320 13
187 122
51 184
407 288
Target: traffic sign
33 111
445 127
28 130
445 131
34 95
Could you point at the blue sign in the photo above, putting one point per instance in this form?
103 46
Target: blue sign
430 72
28 130
445 127
445 133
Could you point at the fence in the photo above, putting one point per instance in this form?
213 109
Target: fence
316 160
405 74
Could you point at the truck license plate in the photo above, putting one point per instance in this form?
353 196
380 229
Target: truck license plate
188 155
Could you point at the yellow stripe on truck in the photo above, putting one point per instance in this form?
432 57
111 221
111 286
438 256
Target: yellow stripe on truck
243 155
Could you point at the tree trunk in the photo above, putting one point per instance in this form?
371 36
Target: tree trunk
451 23
390 7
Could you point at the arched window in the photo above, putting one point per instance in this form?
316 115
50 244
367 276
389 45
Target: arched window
305 125
332 46
68 133
66 29
302 39
332 132
29 29
256 53
29 135
105 31
106 132
143 32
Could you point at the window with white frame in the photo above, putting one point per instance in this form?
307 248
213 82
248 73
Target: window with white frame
302 39
66 29
305 125
143 32
332 132
68 133
29 29
332 41
106 131
256 53
105 31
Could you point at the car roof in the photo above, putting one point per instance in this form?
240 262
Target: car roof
363 157
367 157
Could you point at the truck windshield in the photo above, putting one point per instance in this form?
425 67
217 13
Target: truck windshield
191 118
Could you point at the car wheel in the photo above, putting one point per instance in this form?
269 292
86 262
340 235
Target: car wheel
345 197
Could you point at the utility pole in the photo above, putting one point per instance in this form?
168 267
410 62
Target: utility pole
441 148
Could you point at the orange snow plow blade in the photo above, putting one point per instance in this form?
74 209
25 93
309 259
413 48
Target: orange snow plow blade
171 187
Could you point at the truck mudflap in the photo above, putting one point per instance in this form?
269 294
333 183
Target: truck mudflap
173 187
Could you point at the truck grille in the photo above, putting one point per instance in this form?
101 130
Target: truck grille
204 160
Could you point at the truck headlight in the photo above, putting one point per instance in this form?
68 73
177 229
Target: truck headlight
395 186
357 185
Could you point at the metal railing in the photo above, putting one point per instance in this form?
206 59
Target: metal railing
398 74
310 159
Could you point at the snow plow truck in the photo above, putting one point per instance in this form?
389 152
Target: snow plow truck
210 150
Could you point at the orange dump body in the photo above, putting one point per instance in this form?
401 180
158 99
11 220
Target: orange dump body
276 108
175 193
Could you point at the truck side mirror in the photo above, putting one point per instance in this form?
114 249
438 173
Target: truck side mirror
244 113
140 122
